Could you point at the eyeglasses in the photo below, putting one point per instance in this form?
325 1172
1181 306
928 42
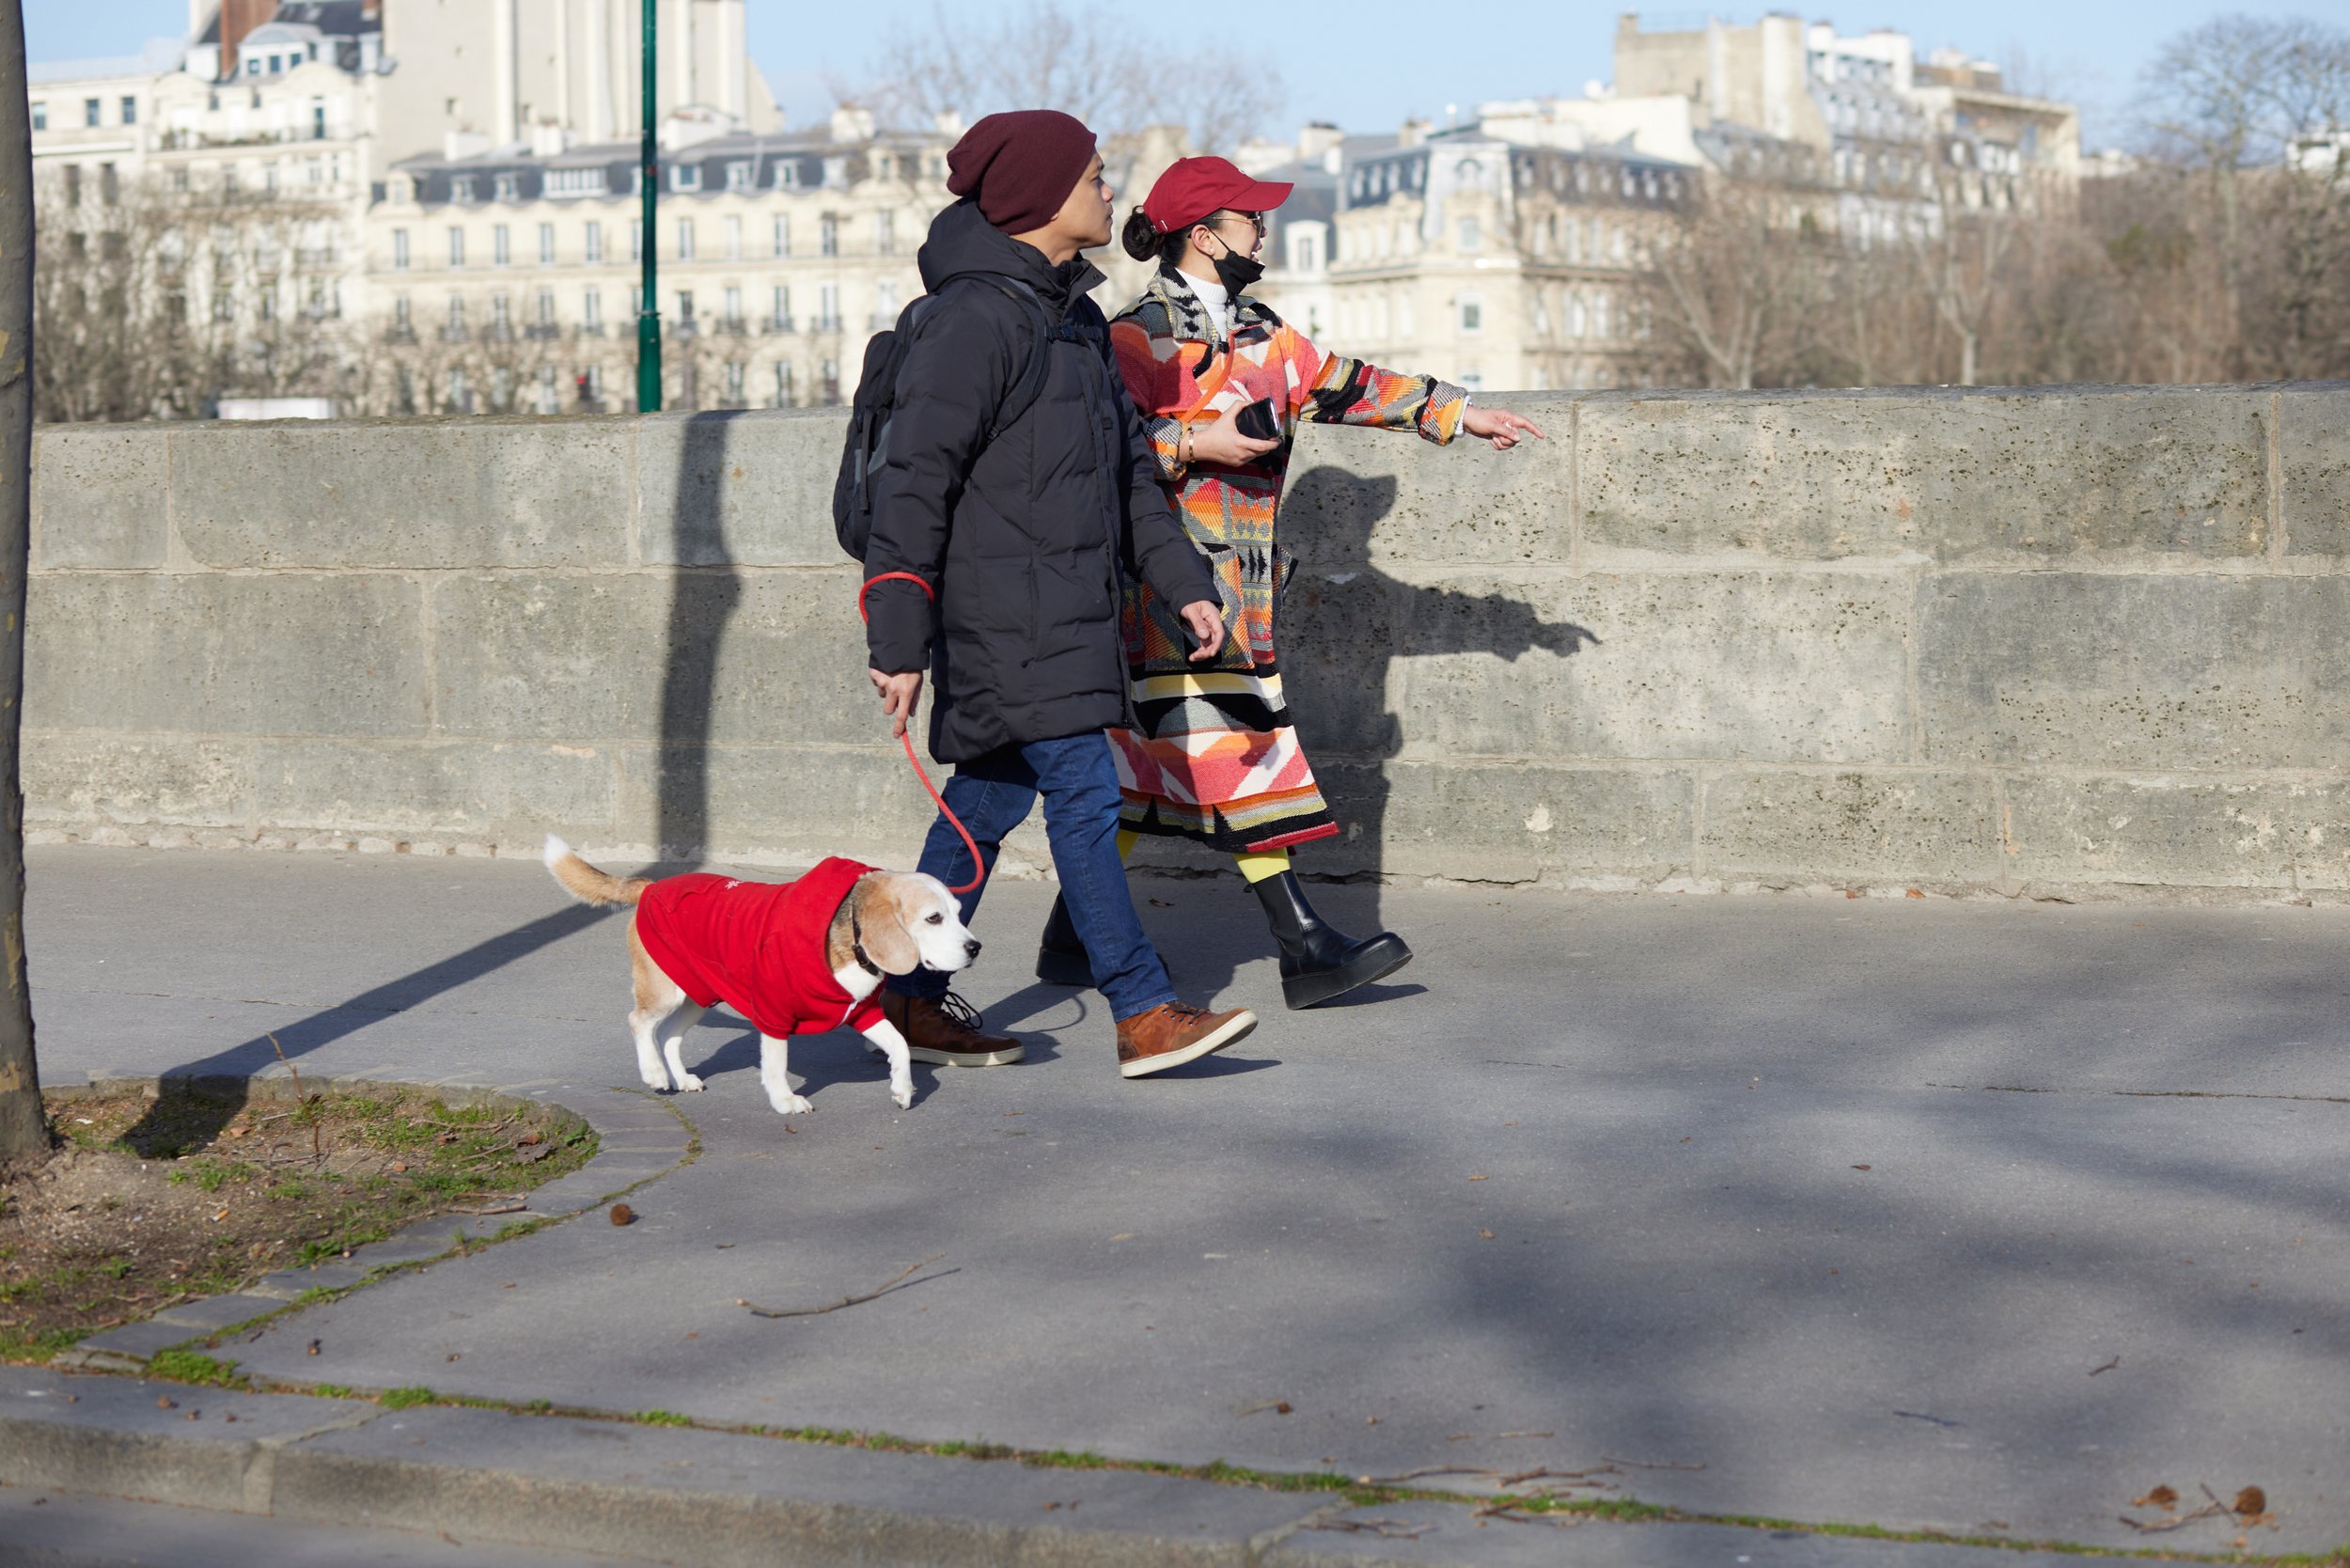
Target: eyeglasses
1255 220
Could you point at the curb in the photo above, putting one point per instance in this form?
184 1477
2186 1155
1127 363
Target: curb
638 1140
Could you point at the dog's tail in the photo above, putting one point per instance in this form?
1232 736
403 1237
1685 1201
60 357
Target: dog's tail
587 884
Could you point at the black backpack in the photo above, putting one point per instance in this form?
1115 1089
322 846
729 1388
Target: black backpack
876 401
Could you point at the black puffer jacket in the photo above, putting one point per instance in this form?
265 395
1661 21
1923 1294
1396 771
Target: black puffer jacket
1024 536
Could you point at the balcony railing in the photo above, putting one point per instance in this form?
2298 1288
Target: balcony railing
734 326
400 335
824 323
455 334
541 332
775 326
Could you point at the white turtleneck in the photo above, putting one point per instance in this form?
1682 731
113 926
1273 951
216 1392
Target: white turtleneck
1215 300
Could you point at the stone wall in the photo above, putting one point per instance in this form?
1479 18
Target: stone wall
2025 641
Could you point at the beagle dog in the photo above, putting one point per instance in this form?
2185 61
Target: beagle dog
803 957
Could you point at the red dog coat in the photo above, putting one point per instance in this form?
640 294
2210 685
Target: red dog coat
758 947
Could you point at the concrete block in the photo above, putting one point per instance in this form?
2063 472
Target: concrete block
2313 434
90 780
747 489
101 496
210 1314
775 806
705 656
402 788
1765 666
114 1437
1812 824
446 494
2179 832
139 1342
720 1500
1950 475
2135 672
281 655
1356 495
1504 822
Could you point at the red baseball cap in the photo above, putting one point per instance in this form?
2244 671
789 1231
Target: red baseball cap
1193 187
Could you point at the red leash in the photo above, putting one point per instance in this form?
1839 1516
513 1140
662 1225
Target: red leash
978 865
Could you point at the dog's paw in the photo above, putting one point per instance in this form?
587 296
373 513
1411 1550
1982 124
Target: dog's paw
688 1083
790 1105
657 1082
903 1097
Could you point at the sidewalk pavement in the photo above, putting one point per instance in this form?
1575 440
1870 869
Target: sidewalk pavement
1977 1218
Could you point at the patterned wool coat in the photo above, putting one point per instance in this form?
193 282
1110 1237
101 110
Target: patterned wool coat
1216 757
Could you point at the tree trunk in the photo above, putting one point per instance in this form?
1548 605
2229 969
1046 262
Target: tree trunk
23 1130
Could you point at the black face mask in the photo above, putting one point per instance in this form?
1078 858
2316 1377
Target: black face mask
1236 272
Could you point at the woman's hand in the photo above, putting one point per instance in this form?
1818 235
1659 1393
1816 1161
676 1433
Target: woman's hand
1222 443
1207 624
1500 426
899 694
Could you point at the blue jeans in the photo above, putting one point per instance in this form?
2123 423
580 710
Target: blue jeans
993 794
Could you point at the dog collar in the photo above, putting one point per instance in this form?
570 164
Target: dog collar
856 946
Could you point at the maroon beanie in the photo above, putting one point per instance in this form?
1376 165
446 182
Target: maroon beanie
1021 166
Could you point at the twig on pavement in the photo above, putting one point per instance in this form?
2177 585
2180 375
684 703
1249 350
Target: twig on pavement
844 1301
1645 1465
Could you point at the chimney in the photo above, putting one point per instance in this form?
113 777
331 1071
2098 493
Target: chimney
237 18
371 11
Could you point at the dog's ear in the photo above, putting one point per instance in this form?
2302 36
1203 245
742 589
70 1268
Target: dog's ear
884 918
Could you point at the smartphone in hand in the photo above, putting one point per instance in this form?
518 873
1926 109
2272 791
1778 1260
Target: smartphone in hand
1259 421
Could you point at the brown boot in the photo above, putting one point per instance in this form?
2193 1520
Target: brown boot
1174 1033
947 1030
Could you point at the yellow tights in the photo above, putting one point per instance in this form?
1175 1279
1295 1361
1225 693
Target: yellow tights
1254 867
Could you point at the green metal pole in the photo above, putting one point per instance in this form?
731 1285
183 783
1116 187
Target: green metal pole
648 314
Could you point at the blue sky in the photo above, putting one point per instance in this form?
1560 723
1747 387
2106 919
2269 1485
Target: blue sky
1369 65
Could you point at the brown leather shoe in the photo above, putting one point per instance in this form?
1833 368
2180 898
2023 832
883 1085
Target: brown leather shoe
1174 1033
947 1030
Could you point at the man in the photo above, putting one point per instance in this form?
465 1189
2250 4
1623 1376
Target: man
1022 531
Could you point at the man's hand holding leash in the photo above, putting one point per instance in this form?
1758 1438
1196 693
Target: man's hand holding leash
901 693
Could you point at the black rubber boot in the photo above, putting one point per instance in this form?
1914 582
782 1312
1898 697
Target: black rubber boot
1318 961
1060 957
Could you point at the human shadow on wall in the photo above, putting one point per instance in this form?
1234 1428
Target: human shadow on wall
704 590
1343 623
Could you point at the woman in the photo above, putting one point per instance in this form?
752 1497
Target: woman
1215 758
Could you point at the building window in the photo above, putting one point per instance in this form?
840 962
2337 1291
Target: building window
129 111
456 247
593 251
685 238
1472 314
787 175
781 320
546 307
783 384
734 237
318 122
783 234
637 239
831 389
828 307
686 177
884 233
90 107
546 245
399 250
734 381
1472 235
548 401
501 313
828 236
509 187
456 316
40 117
591 311
501 246
460 395
739 176
684 305
734 306
400 321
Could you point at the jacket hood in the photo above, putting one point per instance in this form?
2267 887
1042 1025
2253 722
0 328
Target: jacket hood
962 241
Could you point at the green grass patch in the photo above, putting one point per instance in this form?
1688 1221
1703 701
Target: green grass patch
190 1366
661 1417
406 1399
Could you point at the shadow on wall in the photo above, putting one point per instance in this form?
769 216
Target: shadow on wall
1341 625
705 588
